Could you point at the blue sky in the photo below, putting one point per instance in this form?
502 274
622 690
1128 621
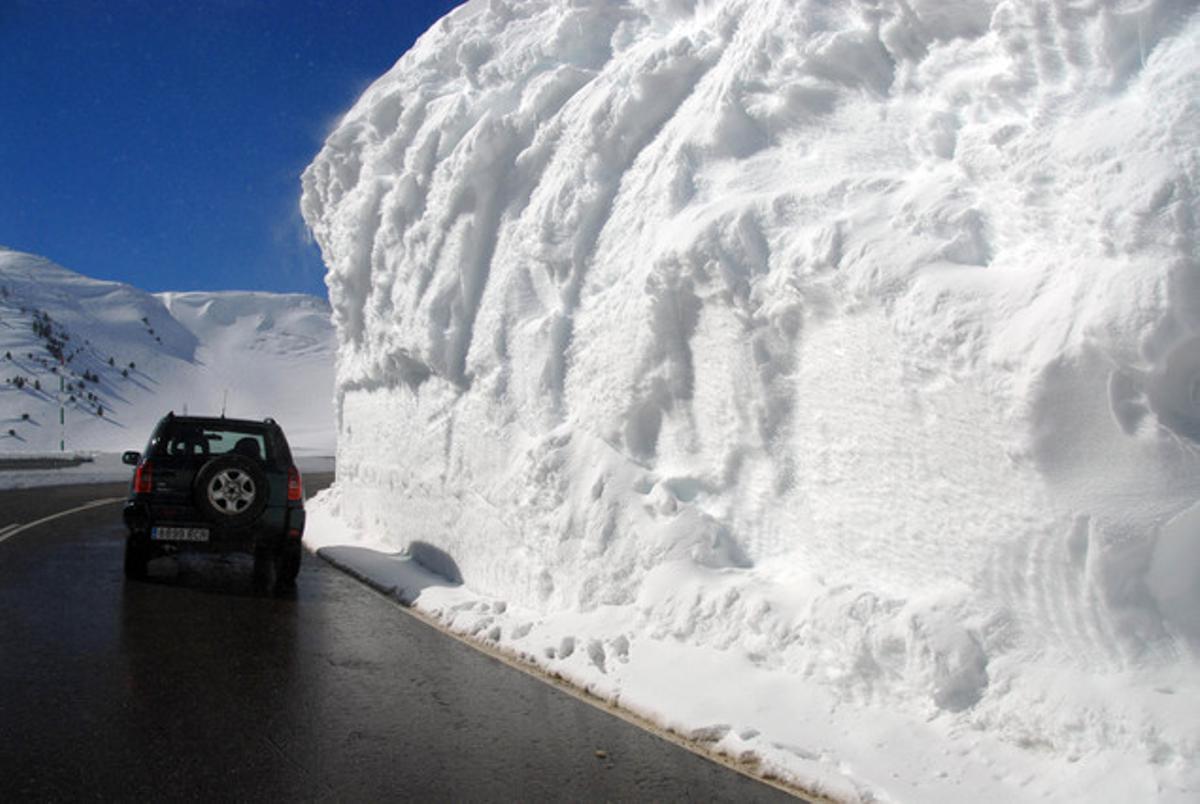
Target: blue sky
160 142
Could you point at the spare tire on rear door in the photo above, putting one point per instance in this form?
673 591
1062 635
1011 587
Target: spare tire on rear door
231 490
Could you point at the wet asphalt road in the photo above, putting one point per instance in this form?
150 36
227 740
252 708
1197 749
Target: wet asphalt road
189 686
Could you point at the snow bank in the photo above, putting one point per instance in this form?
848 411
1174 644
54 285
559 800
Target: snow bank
853 345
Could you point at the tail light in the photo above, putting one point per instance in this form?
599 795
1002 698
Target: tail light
295 485
142 478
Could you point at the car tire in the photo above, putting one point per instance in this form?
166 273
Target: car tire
137 556
287 566
231 490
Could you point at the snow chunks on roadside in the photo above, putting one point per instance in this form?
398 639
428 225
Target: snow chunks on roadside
835 302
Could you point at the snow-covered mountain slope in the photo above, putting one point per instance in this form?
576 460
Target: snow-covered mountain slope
128 356
857 344
272 353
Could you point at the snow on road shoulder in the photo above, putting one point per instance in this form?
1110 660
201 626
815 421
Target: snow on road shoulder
844 351
99 467
736 695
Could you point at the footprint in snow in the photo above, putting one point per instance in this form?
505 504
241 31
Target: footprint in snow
596 654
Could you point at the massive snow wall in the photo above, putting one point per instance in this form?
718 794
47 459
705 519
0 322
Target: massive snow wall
897 304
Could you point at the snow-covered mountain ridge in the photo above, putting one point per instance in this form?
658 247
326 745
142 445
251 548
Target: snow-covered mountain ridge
855 346
123 357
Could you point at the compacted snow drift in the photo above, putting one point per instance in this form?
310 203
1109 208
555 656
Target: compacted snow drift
819 379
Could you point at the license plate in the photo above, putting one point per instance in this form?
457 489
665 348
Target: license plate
180 534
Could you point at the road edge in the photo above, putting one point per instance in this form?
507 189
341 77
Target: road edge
521 663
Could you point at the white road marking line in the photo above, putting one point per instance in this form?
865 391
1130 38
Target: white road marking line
13 530
4 530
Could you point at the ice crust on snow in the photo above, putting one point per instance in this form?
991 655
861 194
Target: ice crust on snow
859 341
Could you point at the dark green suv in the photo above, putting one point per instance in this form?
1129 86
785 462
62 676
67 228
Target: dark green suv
216 485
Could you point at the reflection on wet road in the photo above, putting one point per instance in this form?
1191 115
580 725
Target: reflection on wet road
191 686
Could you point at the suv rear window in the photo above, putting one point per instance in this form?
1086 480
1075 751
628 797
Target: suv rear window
194 439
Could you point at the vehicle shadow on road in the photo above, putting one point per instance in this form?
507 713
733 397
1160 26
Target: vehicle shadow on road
229 575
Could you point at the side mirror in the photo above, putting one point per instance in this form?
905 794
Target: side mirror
131 458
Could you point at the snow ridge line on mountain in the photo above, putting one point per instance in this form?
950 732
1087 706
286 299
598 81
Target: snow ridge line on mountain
120 358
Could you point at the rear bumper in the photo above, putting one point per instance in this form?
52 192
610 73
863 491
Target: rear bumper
275 527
